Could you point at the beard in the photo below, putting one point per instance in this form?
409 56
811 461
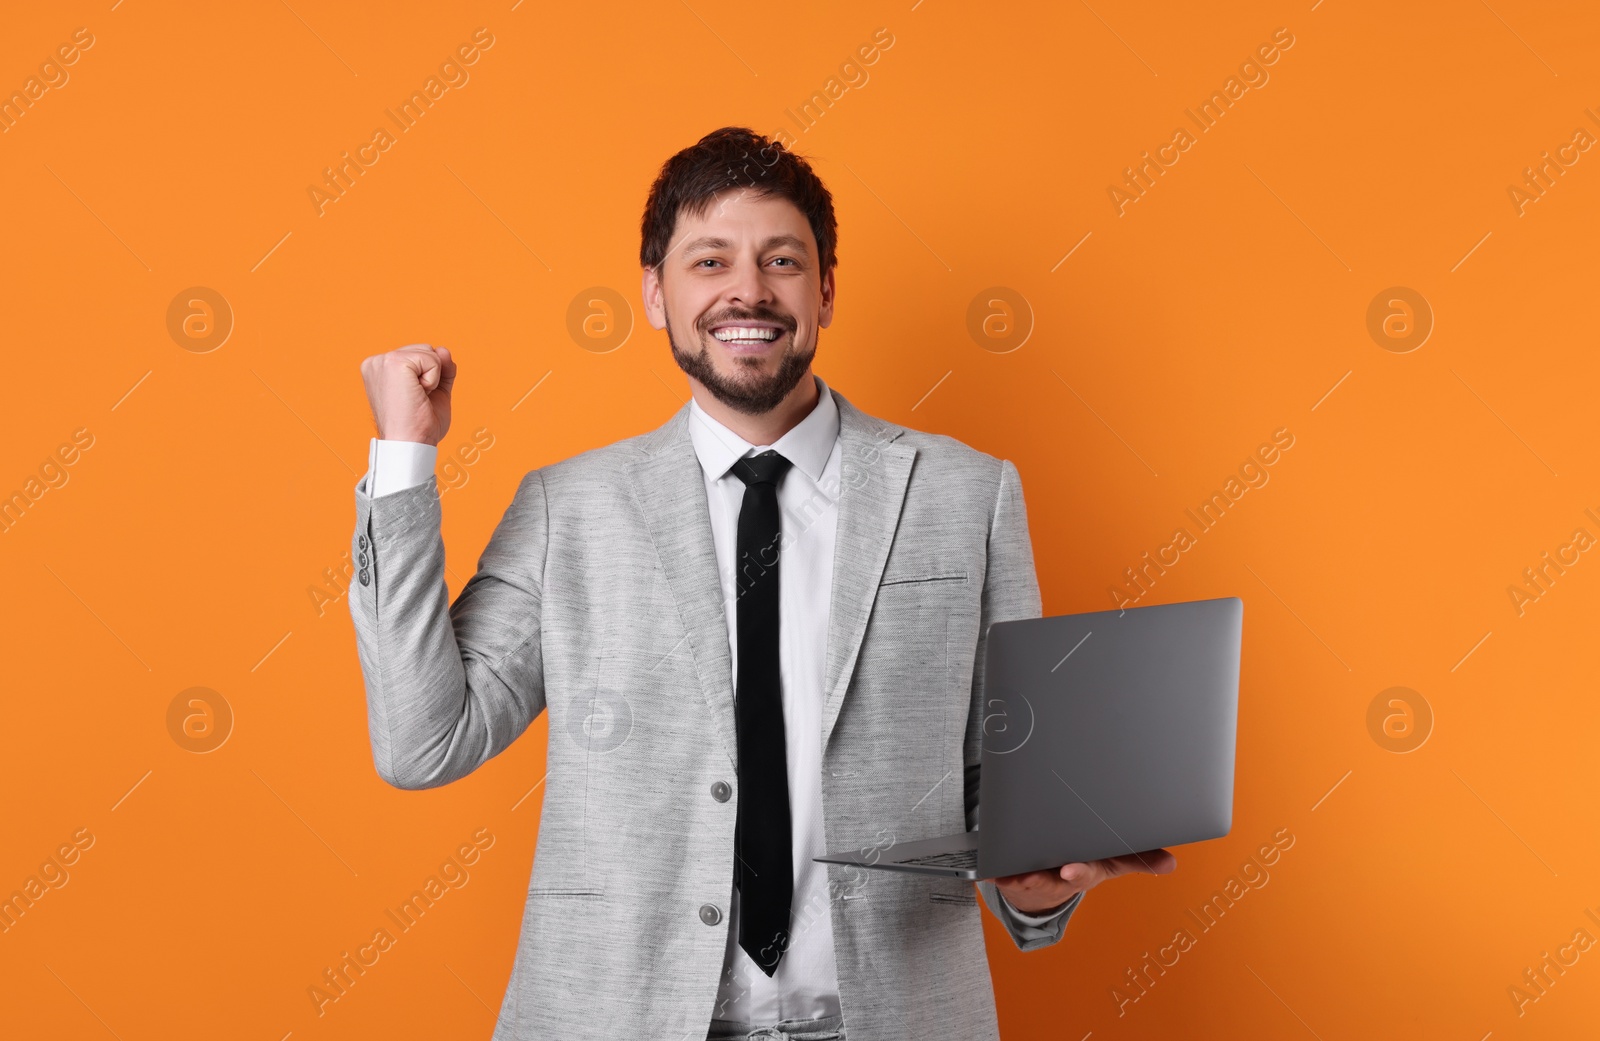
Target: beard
754 393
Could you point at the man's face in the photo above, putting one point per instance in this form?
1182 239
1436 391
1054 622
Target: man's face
742 298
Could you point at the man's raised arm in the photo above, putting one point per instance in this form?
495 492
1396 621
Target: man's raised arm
448 686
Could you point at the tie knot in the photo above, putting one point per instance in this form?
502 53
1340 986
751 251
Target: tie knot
766 468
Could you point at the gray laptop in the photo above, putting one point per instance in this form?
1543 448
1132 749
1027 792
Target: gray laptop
1105 734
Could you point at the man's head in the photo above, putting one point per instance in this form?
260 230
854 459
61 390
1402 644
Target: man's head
738 238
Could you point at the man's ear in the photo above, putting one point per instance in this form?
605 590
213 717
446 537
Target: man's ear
650 288
825 312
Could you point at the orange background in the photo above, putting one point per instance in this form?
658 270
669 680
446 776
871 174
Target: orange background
1177 336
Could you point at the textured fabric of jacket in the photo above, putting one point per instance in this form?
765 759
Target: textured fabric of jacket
597 597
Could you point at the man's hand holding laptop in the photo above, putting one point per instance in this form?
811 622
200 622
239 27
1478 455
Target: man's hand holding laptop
1042 892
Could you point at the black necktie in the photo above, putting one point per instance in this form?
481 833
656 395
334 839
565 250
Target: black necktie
763 866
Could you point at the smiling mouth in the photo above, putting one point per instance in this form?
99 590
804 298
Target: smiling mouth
747 335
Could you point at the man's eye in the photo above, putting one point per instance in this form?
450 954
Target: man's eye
789 260
708 260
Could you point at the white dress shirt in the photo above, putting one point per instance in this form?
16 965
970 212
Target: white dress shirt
805 984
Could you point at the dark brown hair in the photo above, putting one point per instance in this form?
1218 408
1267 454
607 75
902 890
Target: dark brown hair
734 157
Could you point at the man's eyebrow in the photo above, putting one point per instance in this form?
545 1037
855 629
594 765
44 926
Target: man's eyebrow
702 244
793 242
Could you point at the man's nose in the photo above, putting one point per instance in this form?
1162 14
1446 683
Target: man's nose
750 287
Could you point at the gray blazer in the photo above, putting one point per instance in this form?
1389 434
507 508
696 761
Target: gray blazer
597 598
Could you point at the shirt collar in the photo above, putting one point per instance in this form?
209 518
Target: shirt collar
807 445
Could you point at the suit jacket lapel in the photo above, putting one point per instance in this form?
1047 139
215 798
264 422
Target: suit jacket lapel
670 489
874 471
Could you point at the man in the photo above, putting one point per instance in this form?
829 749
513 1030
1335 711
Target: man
758 633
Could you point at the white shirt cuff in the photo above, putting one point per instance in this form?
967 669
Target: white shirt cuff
394 466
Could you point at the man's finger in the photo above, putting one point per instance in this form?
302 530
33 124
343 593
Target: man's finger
449 365
1085 875
1151 862
430 368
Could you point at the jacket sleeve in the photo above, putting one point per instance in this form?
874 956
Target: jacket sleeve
449 686
1010 590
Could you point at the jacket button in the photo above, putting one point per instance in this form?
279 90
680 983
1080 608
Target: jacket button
361 541
363 576
709 914
720 791
363 560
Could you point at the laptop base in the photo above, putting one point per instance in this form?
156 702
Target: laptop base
948 856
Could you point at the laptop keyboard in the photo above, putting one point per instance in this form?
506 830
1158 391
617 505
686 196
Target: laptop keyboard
961 858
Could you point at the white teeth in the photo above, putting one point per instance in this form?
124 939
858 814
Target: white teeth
734 332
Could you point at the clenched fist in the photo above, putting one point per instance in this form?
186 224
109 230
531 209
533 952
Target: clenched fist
409 390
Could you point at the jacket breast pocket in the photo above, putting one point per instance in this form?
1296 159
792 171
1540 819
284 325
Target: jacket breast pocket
580 892
918 578
915 612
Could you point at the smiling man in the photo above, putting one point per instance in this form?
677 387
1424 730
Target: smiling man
757 632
